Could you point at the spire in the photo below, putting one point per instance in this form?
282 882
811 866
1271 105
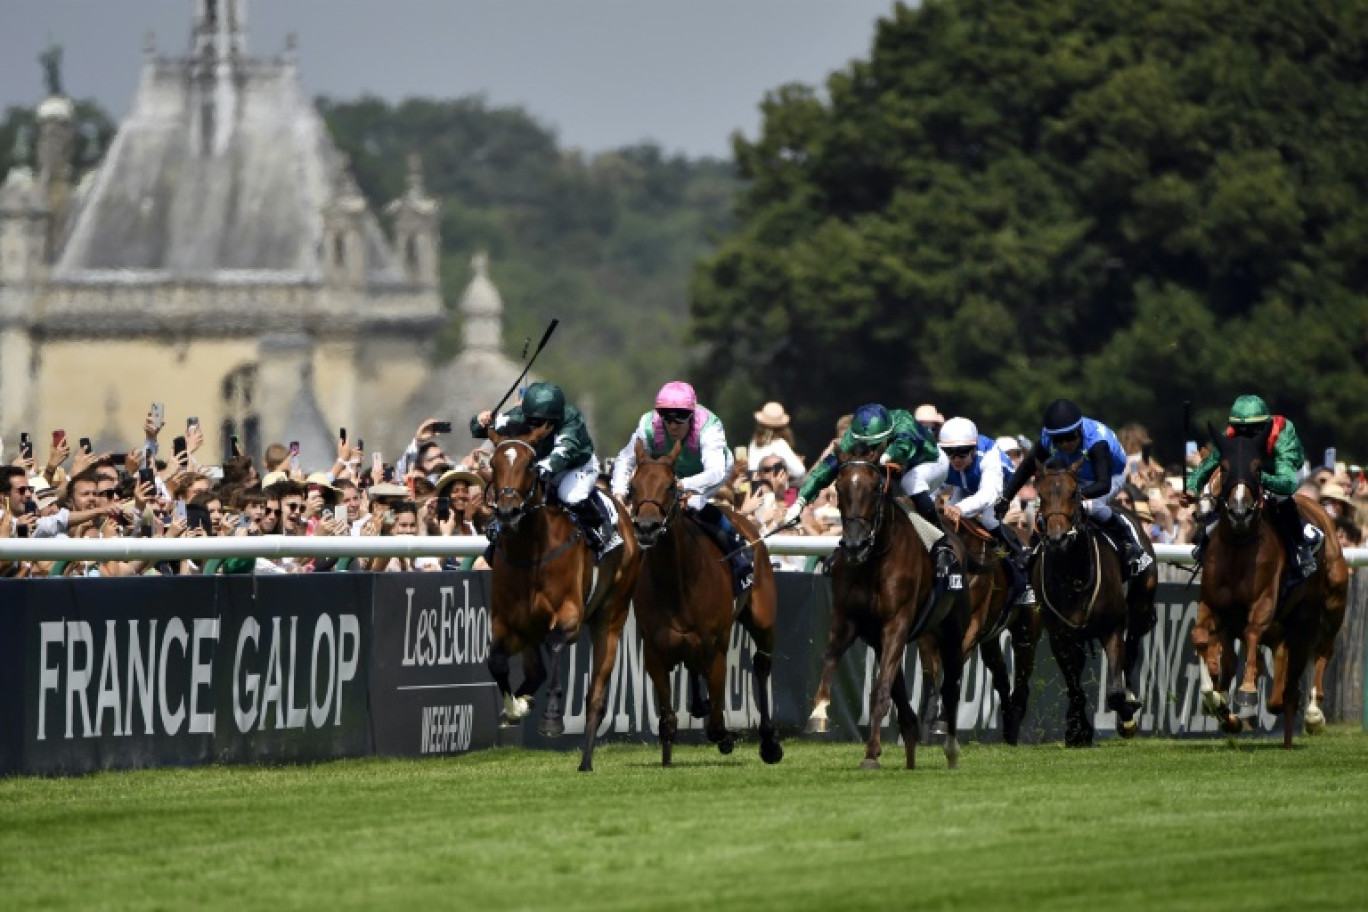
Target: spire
220 29
481 310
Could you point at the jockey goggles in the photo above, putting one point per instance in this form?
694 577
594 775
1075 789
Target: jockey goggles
675 416
954 452
1067 436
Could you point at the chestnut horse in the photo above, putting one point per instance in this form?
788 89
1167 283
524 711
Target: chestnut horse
990 614
543 582
882 585
1242 590
1084 597
684 604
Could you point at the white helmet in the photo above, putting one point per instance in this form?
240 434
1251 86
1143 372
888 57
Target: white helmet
958 432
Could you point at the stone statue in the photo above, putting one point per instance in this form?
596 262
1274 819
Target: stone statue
51 59
22 146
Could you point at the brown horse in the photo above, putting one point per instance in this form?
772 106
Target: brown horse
544 589
1084 597
990 614
883 585
1243 590
684 604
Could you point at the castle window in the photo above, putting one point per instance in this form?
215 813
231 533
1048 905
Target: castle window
239 416
411 253
339 249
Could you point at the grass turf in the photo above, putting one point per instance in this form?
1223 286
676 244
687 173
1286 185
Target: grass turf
1148 823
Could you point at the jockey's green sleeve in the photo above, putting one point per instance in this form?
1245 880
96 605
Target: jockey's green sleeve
1288 457
910 445
571 447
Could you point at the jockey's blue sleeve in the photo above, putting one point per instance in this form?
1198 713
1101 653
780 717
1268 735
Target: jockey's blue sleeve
1100 456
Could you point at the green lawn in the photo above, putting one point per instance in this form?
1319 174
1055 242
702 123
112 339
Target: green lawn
1124 825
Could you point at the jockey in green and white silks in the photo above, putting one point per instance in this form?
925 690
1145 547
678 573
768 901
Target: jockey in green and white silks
1070 439
704 464
565 459
892 436
1251 417
974 481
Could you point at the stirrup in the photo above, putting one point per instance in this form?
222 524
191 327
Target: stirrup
1027 597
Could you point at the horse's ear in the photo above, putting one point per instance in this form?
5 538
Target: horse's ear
674 451
640 451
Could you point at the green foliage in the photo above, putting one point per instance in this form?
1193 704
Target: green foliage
1131 203
605 243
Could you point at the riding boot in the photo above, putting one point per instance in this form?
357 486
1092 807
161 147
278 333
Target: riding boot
1124 534
597 525
720 529
1017 557
1292 531
949 575
1199 544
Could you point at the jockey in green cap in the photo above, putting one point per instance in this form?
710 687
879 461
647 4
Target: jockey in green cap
1251 417
565 459
893 436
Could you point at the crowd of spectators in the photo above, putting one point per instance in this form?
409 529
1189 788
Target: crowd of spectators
148 492
144 493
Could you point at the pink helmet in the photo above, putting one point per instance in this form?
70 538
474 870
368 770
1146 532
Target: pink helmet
676 395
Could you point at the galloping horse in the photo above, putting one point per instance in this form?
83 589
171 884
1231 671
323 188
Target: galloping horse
882 583
545 586
990 614
1079 582
684 604
1242 590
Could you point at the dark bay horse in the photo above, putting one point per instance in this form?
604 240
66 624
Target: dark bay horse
544 589
684 604
1243 592
882 583
990 614
1084 597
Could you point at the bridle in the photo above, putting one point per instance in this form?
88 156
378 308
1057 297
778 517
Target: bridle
668 508
859 548
1074 516
526 498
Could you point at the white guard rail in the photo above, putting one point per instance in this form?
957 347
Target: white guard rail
104 549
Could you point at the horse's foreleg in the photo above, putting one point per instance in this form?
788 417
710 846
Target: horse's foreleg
952 671
607 629
1260 616
1120 700
717 713
1068 651
669 723
996 663
889 660
907 717
838 641
1331 620
514 707
930 709
1025 638
553 717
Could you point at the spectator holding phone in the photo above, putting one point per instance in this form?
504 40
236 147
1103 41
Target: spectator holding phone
773 437
424 453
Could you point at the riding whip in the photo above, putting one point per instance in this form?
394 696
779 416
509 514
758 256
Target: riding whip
1187 420
546 337
751 544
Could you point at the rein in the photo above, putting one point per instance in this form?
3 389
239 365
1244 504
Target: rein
529 508
1093 571
881 499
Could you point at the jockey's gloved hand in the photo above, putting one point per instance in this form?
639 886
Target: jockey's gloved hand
1001 506
544 471
885 459
795 512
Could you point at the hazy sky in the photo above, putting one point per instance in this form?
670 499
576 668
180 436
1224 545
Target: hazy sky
603 73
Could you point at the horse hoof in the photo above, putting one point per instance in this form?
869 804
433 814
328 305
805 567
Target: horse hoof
817 725
869 763
1232 724
771 751
727 744
952 753
1315 728
586 767
939 729
551 728
1247 703
1128 729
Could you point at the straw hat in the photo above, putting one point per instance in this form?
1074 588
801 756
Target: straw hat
1334 491
274 478
928 414
388 489
455 475
772 416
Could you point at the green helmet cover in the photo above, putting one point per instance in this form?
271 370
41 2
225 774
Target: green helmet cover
544 400
872 424
1249 410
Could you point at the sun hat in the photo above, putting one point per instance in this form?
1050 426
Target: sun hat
274 478
388 489
1333 490
928 414
453 476
772 415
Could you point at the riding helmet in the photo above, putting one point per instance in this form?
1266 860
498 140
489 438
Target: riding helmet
872 424
1249 410
958 432
676 395
1061 417
544 401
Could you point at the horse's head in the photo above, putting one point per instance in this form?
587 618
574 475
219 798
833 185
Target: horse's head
653 496
515 487
1061 509
1241 486
861 486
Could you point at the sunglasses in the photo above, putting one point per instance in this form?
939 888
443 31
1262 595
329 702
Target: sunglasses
111 494
270 512
766 470
674 416
24 490
294 507
956 452
1066 438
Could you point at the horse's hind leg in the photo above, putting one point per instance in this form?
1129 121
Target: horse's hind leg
996 663
1331 620
838 641
1025 639
669 723
717 719
762 665
1068 651
952 672
907 717
933 726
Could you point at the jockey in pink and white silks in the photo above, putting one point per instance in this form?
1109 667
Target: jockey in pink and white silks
703 466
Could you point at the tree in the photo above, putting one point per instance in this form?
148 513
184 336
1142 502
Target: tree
1127 203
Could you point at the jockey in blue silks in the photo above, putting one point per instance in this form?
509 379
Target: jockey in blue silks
1072 440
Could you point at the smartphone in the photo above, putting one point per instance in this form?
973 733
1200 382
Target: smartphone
30 506
294 455
340 513
443 509
178 446
58 437
1329 460
360 444
377 466
85 445
441 427
197 517
1191 449
191 422
178 512
342 434
147 475
158 414
25 445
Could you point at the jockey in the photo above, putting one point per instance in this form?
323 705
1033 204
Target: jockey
565 459
975 482
703 466
1250 417
900 439
1092 447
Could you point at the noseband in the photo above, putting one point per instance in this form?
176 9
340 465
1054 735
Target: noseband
524 496
669 509
880 500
